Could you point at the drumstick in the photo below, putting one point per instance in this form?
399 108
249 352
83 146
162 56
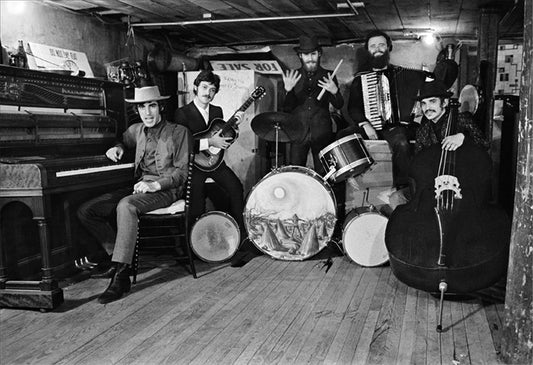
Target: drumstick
332 75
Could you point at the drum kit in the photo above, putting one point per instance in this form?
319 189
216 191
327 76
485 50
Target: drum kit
290 214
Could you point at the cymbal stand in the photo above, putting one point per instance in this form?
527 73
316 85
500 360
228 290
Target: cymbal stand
277 128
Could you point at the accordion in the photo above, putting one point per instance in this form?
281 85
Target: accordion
391 98
376 99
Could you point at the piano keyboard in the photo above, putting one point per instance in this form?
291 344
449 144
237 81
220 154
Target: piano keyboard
92 170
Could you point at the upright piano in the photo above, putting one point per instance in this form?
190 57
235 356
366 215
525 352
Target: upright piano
54 131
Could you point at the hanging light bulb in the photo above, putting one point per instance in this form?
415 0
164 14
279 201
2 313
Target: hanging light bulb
428 39
15 7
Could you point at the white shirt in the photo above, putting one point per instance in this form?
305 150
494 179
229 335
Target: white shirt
204 142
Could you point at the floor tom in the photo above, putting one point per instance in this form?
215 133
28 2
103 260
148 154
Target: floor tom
363 237
215 237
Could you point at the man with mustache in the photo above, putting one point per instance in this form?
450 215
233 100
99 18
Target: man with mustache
303 87
161 162
434 100
402 86
196 116
434 103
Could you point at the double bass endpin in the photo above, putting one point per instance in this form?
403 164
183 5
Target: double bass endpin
443 286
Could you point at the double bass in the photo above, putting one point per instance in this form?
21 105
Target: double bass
449 238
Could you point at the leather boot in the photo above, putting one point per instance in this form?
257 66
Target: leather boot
104 271
120 284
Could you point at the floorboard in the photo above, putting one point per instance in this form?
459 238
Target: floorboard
267 312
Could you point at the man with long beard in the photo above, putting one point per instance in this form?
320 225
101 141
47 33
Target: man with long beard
302 87
402 86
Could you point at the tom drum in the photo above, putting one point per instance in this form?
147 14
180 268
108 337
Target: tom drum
345 157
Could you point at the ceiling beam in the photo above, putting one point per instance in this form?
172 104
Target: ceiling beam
242 20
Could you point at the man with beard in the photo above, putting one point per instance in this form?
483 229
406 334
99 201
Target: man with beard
403 85
302 87
196 116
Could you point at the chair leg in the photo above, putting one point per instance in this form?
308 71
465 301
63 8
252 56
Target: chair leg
189 253
135 266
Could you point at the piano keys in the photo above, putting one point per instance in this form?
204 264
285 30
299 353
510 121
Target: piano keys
61 174
94 170
54 131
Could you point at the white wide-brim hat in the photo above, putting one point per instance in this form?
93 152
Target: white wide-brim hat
146 94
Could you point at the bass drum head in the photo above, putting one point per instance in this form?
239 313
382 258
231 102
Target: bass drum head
363 238
215 237
469 99
290 214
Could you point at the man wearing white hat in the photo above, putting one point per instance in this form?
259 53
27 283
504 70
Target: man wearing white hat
161 159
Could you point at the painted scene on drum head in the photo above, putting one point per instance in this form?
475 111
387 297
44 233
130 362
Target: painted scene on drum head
291 213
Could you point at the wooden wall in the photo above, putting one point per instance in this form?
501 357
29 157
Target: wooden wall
43 24
517 341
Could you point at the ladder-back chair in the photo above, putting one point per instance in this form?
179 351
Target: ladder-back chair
167 230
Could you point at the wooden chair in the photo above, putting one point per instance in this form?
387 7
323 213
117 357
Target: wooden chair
167 230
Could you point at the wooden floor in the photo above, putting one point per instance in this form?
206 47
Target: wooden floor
265 312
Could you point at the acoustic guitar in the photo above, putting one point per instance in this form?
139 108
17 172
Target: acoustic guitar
209 159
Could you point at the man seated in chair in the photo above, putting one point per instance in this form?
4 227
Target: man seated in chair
161 163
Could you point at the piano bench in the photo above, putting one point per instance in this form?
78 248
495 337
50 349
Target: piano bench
163 231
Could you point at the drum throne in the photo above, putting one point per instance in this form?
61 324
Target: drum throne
167 230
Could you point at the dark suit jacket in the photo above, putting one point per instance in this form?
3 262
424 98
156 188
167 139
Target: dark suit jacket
313 115
190 117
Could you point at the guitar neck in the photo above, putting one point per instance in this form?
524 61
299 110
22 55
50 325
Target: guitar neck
246 105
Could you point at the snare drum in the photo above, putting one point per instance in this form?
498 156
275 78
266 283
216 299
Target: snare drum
215 237
363 237
290 214
345 157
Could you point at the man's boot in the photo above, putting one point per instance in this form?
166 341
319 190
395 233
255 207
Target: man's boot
119 285
104 270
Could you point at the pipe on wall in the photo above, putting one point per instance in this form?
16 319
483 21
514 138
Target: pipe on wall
162 60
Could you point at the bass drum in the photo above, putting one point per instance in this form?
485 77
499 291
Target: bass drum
215 237
469 99
290 214
363 237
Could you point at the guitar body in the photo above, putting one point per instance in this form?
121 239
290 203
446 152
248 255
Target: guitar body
208 160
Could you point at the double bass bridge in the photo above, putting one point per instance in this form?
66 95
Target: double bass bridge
447 182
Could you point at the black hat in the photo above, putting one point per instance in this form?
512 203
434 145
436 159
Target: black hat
433 89
308 44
